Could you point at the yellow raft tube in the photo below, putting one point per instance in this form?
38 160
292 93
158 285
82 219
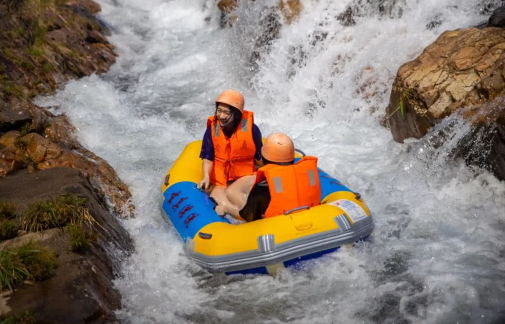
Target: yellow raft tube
265 245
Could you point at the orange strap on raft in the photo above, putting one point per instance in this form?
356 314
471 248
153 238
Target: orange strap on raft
234 156
291 186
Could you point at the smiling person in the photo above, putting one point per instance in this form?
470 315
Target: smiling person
232 142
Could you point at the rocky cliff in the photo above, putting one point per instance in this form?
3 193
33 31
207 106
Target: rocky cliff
47 175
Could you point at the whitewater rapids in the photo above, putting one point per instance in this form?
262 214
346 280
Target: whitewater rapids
437 252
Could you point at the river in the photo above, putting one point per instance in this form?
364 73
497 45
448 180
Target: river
437 252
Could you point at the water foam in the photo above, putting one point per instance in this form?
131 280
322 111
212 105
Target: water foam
437 251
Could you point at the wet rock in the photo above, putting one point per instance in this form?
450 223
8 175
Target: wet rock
462 70
43 154
90 6
290 9
346 18
227 6
497 19
463 67
59 130
14 115
81 290
8 161
9 139
95 37
484 146
362 8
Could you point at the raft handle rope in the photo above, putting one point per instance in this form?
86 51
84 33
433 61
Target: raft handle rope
300 151
296 209
357 195
167 177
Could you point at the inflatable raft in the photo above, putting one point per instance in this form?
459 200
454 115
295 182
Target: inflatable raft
265 245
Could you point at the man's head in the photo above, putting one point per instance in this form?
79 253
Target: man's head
278 149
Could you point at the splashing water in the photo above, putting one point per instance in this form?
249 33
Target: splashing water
437 252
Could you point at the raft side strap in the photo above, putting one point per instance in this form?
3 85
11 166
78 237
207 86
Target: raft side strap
205 236
278 185
244 125
312 178
167 177
266 243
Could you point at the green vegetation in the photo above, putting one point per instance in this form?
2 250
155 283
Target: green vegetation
17 32
26 129
26 64
29 261
405 96
65 211
21 143
22 318
12 90
8 229
35 51
8 225
39 34
73 53
7 210
80 237
95 25
47 67
56 212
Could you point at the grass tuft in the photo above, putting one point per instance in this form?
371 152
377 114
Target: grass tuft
56 212
80 237
29 261
8 229
7 210
8 226
26 129
39 34
22 318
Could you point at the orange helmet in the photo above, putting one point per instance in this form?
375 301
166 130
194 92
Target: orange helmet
232 98
278 148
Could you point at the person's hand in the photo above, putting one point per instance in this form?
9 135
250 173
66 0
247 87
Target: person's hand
205 183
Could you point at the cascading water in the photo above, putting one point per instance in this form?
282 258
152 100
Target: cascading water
437 252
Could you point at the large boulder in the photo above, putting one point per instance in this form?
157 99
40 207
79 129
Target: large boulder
60 149
81 289
462 68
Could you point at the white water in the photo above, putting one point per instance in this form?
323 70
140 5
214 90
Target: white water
437 252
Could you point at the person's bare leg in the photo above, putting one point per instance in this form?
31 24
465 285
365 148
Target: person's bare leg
238 191
231 199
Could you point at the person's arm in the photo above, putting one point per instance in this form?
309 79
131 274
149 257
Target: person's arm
207 168
207 155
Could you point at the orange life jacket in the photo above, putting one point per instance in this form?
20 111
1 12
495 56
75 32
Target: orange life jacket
234 156
291 186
